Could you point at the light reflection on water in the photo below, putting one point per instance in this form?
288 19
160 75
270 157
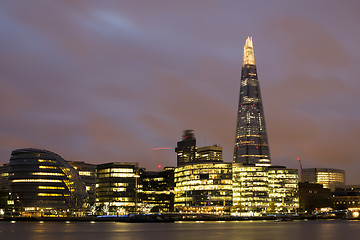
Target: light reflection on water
256 230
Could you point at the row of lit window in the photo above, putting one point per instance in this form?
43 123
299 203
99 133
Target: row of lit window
36 180
119 175
204 166
194 182
117 170
46 160
47 167
47 174
86 173
160 179
203 187
156 192
50 187
49 194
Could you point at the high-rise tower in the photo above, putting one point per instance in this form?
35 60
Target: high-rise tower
251 142
186 149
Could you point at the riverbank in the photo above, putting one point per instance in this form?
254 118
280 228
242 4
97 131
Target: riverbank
173 217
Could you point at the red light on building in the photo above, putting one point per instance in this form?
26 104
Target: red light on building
159 166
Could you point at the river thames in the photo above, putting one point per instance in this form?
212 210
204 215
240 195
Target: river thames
243 230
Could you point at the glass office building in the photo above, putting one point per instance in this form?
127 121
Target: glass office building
4 183
41 181
283 189
203 188
250 190
186 148
329 177
157 193
87 173
261 189
251 141
209 154
118 187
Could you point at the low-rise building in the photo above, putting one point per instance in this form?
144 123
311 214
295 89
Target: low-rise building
346 197
313 196
329 177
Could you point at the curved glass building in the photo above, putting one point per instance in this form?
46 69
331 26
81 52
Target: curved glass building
40 179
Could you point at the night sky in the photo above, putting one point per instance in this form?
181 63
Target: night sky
103 81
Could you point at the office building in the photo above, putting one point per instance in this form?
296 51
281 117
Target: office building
328 177
203 188
261 189
4 183
87 173
313 196
209 154
346 197
42 182
251 141
118 187
250 190
186 148
283 189
157 193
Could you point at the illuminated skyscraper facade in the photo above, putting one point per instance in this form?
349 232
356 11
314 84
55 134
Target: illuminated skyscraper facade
251 142
186 148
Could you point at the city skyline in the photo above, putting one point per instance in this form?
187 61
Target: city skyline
102 82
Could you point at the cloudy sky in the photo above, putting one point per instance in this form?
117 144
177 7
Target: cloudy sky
101 81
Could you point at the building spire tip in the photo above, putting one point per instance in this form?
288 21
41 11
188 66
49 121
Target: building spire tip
249 57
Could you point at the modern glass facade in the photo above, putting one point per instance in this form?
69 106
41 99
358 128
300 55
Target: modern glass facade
209 154
250 190
203 188
283 189
251 141
186 148
42 180
117 187
87 173
157 193
259 190
4 183
328 177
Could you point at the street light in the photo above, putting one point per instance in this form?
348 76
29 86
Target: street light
136 190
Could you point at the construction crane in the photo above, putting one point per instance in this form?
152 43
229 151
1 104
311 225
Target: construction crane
301 171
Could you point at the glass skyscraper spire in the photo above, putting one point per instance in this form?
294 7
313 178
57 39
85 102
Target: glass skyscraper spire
251 142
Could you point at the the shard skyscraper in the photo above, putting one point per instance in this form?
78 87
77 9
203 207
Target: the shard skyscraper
251 142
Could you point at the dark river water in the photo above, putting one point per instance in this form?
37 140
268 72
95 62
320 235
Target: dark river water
249 230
